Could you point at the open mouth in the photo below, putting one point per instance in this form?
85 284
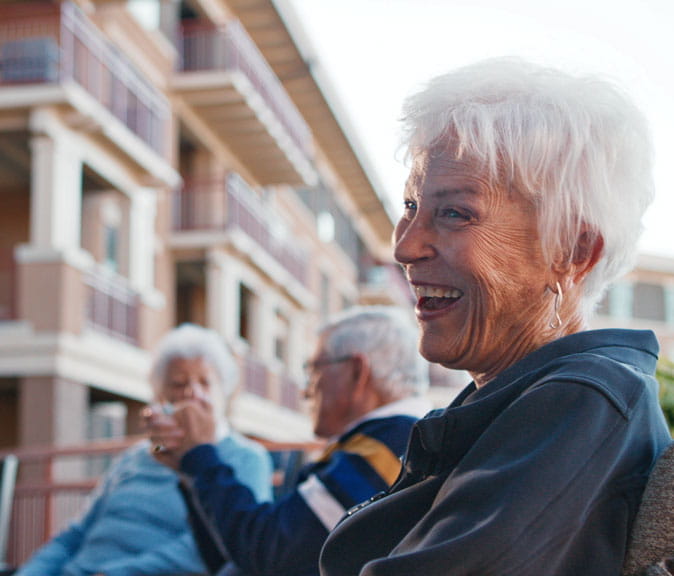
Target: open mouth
430 298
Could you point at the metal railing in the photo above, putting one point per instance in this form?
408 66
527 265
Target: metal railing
256 378
231 203
47 43
43 505
111 306
289 392
204 47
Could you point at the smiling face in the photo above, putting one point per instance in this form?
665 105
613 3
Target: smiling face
470 249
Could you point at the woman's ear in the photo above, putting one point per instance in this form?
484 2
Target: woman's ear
586 254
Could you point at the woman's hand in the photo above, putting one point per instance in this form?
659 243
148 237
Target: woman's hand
192 423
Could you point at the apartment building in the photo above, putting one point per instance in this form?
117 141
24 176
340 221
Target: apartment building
163 162
643 300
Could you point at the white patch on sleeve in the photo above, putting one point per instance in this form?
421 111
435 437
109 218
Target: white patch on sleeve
326 507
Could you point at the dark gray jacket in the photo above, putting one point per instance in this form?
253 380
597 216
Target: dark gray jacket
538 473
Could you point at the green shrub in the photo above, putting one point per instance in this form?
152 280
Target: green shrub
665 375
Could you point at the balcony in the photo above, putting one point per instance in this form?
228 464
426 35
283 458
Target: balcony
111 306
232 205
227 82
55 44
255 377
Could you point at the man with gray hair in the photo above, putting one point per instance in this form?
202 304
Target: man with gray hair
365 382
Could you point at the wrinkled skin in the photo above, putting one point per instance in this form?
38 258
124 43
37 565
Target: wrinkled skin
475 243
339 392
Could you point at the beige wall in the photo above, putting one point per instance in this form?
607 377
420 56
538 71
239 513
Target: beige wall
51 296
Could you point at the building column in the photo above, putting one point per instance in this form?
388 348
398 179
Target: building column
52 411
142 216
56 194
300 344
265 322
621 298
222 294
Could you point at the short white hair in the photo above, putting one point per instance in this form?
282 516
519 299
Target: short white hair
576 147
193 341
388 337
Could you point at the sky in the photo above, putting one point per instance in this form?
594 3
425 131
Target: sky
373 53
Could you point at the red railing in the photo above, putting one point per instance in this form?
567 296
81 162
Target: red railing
233 204
45 43
230 49
44 505
111 306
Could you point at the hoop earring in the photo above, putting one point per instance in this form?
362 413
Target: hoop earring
556 322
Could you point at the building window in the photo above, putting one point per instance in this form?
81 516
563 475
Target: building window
111 248
649 302
246 309
620 300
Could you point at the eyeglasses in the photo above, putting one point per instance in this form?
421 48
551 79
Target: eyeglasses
311 365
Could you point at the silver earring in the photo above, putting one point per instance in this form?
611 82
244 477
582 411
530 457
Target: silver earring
559 298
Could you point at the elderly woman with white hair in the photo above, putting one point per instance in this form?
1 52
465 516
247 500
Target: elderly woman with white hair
137 522
524 201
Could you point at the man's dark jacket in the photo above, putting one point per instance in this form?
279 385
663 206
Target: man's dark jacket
537 473
284 538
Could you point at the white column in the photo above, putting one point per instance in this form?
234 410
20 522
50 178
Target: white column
621 299
299 348
265 322
141 243
215 288
56 194
222 294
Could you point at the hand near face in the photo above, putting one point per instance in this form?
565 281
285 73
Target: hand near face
192 423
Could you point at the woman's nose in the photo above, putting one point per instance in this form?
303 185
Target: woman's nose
412 241
194 390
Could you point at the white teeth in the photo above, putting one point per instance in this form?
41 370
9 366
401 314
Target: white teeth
431 292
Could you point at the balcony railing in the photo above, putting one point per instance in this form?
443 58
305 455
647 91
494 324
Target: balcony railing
233 204
256 378
111 306
230 49
289 392
45 43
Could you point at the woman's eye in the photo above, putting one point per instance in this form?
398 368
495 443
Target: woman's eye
451 213
409 206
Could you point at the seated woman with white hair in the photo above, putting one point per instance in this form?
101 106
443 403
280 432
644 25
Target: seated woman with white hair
137 522
524 201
